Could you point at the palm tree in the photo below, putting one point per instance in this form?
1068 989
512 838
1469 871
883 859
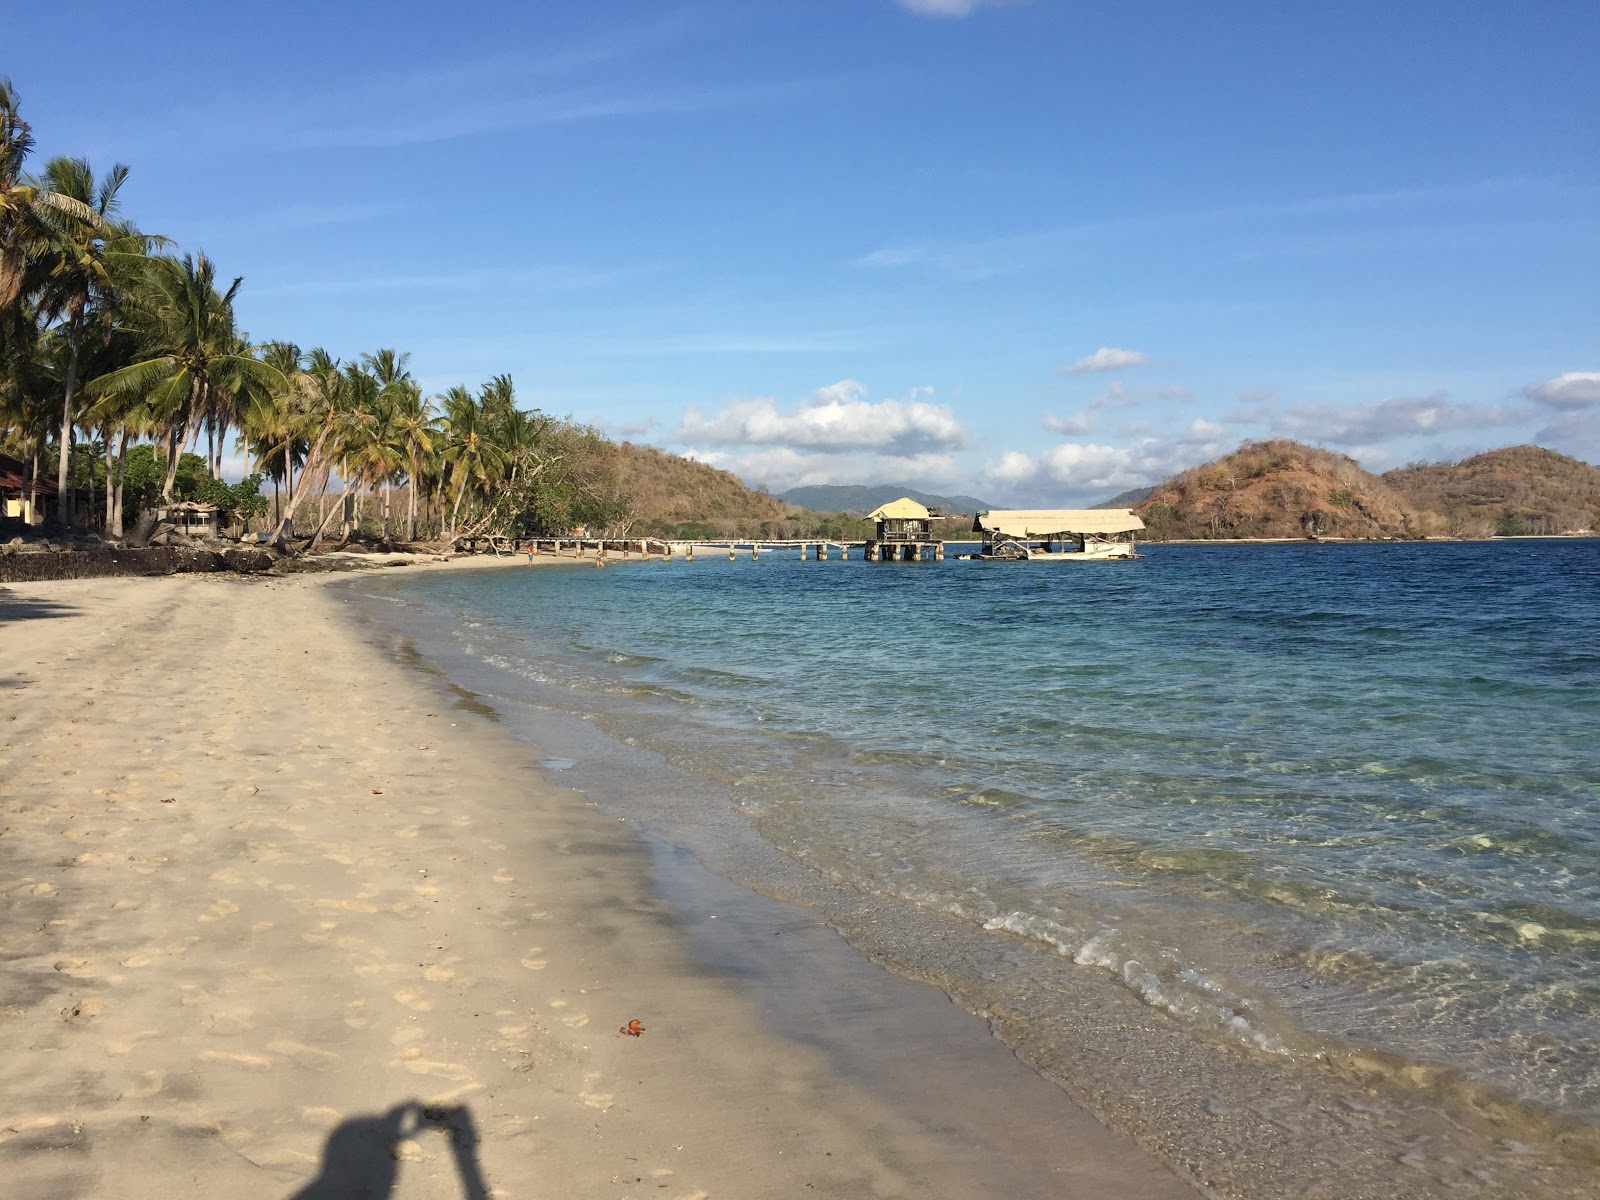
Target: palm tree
24 204
269 429
471 454
190 351
85 246
417 427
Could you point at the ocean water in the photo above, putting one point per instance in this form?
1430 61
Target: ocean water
1329 814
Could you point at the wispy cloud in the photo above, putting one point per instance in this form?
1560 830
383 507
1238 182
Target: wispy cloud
950 9
624 72
419 120
289 218
1107 358
1375 422
1447 217
547 278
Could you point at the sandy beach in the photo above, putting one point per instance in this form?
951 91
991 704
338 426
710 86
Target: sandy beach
282 918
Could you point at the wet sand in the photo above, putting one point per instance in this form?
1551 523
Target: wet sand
282 917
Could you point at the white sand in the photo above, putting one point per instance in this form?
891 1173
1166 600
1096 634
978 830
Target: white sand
260 886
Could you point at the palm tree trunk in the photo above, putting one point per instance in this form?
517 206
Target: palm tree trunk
66 501
105 439
173 449
115 519
411 508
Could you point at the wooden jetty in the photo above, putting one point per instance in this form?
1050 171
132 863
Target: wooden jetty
816 549
902 532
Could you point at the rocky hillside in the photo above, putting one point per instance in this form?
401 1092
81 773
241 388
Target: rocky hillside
1282 489
1518 490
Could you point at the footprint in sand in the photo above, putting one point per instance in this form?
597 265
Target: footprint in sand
413 999
309 1057
78 968
256 1062
575 1021
220 910
596 1099
438 974
83 1010
536 964
149 1083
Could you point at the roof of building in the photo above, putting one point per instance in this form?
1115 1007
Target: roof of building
1041 522
14 474
903 509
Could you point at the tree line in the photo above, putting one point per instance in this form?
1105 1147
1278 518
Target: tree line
117 354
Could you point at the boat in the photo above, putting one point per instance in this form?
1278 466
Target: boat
1057 535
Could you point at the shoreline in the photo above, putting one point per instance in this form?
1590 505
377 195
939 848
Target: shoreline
1359 1112
263 885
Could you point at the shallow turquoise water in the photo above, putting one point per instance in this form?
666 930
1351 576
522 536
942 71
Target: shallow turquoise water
1296 797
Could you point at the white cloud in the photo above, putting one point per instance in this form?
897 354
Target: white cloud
1570 392
1379 421
839 418
782 467
947 8
1089 472
1013 467
1107 358
1073 424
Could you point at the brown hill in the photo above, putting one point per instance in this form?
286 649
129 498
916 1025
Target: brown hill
672 496
1518 490
1282 489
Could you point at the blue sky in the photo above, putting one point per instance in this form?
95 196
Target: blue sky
1038 251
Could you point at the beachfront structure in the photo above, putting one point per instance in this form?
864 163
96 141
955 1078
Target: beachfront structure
1057 534
191 517
903 530
23 495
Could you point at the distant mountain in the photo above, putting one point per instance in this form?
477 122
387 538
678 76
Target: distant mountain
1520 489
1127 499
863 498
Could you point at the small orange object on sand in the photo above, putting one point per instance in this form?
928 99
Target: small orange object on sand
632 1029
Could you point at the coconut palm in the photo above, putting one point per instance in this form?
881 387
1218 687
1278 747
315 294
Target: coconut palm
190 351
417 426
472 457
86 247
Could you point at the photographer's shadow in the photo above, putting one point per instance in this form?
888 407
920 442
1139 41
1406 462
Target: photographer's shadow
359 1160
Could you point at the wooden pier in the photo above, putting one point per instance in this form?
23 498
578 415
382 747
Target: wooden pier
605 549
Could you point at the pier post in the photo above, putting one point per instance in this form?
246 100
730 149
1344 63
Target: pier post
938 552
688 552
755 552
822 551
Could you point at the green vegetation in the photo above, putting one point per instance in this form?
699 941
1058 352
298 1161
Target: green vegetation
125 354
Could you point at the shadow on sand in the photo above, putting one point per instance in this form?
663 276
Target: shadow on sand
15 608
359 1160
